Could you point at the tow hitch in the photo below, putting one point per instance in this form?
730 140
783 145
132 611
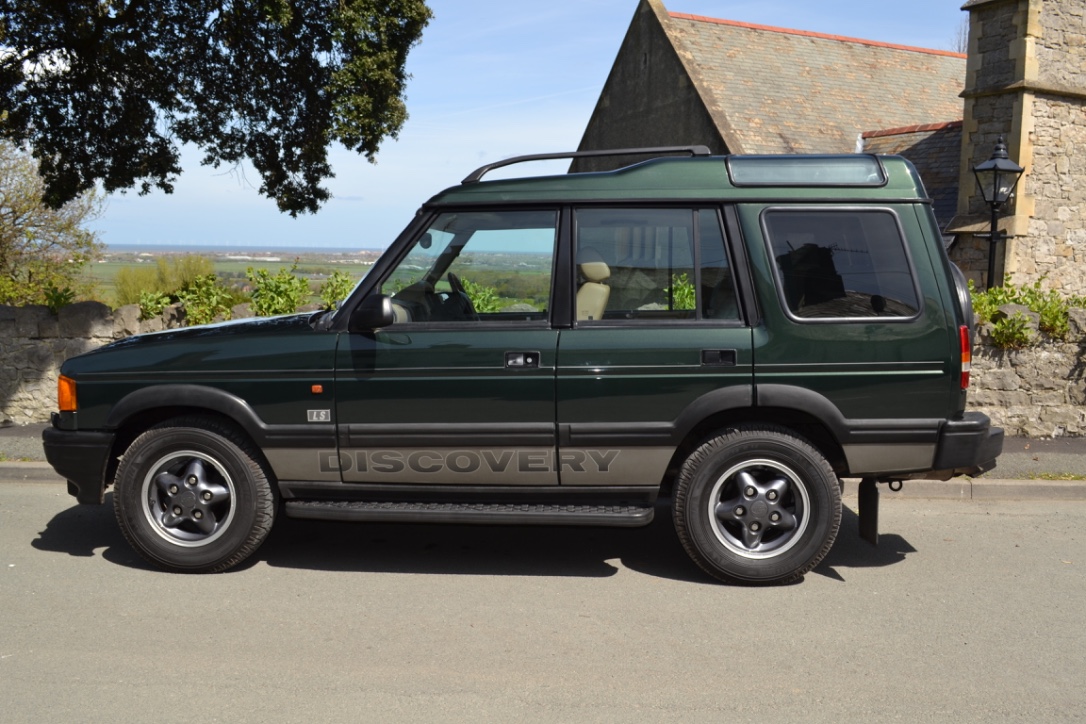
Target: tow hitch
868 493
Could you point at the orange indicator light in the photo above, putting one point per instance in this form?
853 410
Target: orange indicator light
66 401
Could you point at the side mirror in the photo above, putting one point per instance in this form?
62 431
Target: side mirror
374 312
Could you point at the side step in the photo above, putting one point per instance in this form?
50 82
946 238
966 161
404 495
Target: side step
616 516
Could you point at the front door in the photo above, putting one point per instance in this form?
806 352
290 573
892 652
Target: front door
460 389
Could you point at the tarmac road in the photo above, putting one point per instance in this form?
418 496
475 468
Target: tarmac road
968 611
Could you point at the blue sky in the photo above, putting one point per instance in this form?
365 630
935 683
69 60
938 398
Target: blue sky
487 82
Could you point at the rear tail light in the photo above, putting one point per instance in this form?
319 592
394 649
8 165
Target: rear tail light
66 401
967 354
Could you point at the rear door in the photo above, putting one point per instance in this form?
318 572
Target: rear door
659 341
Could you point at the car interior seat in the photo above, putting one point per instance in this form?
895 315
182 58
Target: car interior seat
593 293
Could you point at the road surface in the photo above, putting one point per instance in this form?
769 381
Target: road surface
968 611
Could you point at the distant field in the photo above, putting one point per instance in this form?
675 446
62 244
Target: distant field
315 267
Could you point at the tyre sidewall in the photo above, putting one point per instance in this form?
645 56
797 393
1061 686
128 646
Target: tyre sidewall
247 526
712 460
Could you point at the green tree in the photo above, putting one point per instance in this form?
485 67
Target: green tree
104 90
40 248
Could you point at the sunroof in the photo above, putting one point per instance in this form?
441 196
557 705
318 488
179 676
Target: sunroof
858 170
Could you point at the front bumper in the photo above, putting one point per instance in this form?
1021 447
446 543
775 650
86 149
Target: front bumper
82 458
968 446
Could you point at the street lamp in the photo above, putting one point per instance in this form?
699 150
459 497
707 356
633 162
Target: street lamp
996 178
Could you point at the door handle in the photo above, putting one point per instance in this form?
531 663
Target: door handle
718 357
521 360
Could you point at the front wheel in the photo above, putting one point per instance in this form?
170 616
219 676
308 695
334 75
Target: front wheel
757 504
192 496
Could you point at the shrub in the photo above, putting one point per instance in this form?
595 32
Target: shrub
279 293
205 298
335 289
152 303
168 276
57 298
682 292
483 298
1013 332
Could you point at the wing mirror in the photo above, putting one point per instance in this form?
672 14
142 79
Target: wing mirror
374 312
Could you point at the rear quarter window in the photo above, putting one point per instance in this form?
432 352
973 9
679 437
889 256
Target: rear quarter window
841 264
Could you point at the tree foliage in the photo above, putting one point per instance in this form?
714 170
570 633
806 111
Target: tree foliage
41 249
104 90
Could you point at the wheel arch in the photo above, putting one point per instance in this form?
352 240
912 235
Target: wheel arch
149 406
802 411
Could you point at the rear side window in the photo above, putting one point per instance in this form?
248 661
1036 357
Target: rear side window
841 264
646 264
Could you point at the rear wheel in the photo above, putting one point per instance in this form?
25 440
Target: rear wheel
757 504
192 496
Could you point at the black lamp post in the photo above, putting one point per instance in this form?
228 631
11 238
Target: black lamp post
996 178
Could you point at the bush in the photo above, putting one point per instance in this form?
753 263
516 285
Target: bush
167 277
682 292
206 298
335 290
152 303
279 293
1013 332
483 298
57 298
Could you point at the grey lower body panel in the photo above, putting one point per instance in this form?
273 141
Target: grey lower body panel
885 458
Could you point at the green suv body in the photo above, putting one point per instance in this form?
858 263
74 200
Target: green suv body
733 334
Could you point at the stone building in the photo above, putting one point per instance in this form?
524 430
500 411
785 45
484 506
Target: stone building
1026 81
741 88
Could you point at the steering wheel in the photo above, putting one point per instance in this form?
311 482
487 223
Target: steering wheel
465 301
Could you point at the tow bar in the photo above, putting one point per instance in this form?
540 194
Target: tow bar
869 508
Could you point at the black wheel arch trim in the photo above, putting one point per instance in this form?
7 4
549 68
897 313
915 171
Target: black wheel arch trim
199 397
846 431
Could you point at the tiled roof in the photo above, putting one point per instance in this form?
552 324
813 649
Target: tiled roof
773 90
935 150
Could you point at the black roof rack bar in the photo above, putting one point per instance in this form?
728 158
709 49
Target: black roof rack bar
660 150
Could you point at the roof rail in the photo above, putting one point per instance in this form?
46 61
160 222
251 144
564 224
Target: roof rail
660 150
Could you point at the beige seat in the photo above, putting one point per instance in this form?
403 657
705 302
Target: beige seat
593 293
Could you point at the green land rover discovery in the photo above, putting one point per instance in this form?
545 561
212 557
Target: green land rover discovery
731 334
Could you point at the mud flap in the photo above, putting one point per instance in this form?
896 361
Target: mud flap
869 510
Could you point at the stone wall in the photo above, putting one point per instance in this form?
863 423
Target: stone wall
34 342
1037 392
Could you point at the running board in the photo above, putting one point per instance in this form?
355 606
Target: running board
617 516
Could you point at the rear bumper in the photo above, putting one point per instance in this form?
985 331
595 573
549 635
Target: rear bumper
81 458
968 446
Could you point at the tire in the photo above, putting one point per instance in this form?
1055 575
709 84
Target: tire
758 504
193 497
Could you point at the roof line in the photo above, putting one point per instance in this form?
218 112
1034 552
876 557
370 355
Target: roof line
913 129
809 34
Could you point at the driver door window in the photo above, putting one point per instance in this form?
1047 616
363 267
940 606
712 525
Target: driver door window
487 266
